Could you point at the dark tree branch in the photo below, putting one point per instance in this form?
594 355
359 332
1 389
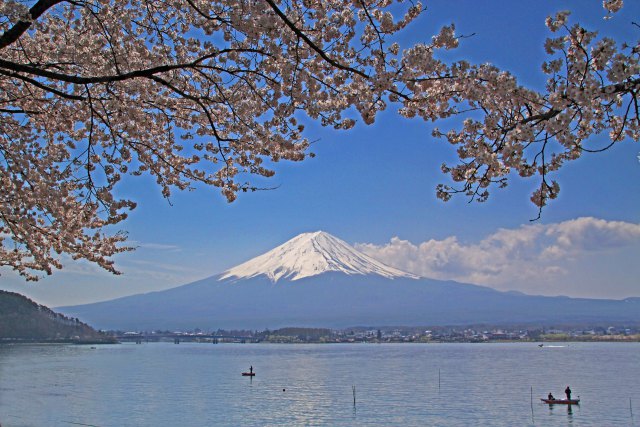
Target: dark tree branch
14 33
310 43
148 72
43 86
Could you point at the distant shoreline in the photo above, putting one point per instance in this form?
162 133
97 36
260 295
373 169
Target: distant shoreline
296 335
536 343
14 341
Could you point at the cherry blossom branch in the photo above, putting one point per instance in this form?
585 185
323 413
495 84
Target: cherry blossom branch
37 10
310 43
210 91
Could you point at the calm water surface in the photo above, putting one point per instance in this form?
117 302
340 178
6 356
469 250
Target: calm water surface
163 384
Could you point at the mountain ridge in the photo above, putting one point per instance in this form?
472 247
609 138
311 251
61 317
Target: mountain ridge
317 280
310 254
336 300
23 320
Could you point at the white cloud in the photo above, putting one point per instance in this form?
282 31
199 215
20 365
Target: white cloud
592 234
509 258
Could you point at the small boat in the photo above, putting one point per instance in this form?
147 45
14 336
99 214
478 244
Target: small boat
561 401
248 374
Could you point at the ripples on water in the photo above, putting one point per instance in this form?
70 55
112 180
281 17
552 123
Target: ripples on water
190 384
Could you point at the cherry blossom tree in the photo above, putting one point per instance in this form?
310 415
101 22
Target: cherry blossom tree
592 89
212 92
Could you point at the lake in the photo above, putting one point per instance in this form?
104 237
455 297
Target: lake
192 384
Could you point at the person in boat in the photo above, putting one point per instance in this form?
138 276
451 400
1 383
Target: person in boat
251 369
550 397
567 391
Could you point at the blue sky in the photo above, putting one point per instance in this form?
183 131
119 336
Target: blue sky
375 186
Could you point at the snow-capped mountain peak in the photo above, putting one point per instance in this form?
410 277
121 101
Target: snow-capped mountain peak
310 254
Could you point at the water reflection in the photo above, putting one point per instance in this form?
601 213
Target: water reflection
195 385
569 411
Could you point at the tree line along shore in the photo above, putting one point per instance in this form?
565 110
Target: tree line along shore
25 321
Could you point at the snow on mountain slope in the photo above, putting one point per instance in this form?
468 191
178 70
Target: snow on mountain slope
310 254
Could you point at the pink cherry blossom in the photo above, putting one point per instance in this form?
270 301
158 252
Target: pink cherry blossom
211 92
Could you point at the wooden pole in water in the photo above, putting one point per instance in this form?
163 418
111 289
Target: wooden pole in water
532 396
353 387
438 379
532 404
630 411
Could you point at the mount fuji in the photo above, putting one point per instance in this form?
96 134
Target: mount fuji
310 254
318 280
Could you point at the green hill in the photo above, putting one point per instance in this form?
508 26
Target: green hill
23 320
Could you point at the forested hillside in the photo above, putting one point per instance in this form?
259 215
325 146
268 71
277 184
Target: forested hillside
24 320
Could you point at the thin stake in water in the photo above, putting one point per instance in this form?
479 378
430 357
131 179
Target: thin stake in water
533 422
353 387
